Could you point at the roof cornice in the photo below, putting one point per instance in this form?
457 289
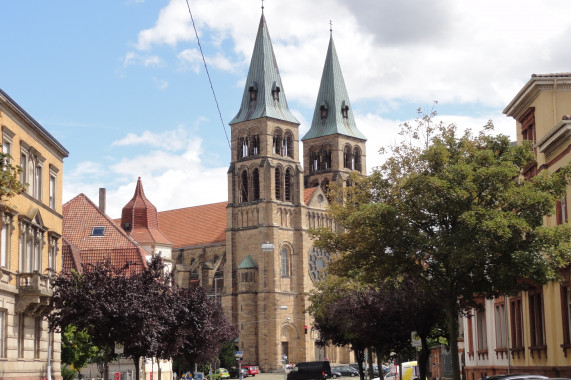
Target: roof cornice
4 97
532 89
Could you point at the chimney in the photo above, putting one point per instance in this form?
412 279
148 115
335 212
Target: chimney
102 199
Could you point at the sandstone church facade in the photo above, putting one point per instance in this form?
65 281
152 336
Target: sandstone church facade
253 252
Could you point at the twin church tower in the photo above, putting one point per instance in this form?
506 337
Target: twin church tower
270 262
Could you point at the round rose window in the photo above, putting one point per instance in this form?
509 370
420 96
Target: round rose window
318 262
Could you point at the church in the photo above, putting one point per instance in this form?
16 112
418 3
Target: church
253 252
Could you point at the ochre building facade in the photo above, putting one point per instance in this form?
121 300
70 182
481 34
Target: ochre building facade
530 332
30 245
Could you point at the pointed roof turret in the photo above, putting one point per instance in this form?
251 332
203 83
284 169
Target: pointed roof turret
264 95
333 113
139 218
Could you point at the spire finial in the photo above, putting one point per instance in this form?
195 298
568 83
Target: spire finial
330 27
262 6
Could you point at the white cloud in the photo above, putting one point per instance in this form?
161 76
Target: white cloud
170 140
161 84
173 173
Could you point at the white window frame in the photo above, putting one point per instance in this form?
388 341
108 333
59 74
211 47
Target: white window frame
501 328
5 240
481 331
3 333
284 259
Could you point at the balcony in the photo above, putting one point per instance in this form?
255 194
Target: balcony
33 293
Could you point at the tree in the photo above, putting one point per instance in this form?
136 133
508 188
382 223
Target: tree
76 348
10 184
97 301
377 317
452 210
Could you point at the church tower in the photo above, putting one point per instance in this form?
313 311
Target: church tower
333 146
264 216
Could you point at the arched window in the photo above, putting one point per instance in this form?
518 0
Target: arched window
287 145
277 143
357 159
278 184
244 186
347 157
285 262
243 148
313 160
256 184
255 145
325 157
288 186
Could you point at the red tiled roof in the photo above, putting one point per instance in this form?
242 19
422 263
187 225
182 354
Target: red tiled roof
80 215
140 215
71 257
307 193
205 224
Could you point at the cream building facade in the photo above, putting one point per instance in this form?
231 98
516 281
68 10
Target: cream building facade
530 332
31 230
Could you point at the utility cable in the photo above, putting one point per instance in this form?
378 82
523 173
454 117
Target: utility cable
208 75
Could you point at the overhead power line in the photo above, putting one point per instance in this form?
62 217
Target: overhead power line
208 75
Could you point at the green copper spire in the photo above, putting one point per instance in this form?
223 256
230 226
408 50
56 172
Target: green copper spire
264 95
333 113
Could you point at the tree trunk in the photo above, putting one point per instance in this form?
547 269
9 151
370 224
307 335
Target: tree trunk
423 357
359 356
452 321
137 363
380 364
106 362
370 362
159 368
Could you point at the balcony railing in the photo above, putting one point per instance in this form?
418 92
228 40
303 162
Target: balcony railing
33 292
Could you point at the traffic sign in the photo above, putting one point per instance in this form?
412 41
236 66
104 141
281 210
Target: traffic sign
239 354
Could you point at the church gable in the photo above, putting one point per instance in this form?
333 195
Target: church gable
315 198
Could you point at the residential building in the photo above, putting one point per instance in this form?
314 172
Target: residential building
530 332
90 236
30 245
253 252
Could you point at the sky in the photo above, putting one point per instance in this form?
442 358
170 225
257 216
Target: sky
121 83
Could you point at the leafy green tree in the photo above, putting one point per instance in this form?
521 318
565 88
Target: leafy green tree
76 348
10 184
452 210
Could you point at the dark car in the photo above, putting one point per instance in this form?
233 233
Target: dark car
345 370
235 374
318 370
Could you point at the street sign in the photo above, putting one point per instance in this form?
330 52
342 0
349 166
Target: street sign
119 348
239 354
415 339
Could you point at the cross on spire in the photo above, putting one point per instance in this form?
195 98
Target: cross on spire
330 26
262 6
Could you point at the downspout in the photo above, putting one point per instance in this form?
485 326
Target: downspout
49 366
553 101
507 332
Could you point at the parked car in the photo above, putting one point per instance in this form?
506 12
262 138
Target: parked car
335 374
221 373
235 374
345 370
318 370
521 376
253 370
